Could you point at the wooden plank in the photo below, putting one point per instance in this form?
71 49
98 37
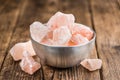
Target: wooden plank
30 11
106 17
8 17
3 4
81 11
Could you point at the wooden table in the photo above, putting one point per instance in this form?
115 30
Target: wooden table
102 15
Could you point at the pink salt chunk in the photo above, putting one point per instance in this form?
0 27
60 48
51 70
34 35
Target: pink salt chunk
83 30
48 36
17 50
61 35
28 64
70 43
29 48
79 39
92 64
61 19
48 41
38 31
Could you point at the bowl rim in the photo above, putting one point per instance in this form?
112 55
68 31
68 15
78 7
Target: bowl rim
55 46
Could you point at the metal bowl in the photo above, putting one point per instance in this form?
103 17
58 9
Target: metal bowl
63 56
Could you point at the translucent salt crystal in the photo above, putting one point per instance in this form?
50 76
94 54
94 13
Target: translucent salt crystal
48 41
17 50
49 35
29 48
28 64
79 39
61 19
38 31
61 35
92 64
70 43
83 30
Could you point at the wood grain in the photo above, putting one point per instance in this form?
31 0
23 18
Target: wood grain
8 17
106 17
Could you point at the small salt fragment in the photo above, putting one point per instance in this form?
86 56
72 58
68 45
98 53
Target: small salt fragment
70 43
28 64
38 31
49 35
83 30
17 50
29 48
61 19
61 35
92 64
79 39
48 41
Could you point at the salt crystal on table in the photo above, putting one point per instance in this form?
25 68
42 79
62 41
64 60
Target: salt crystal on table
83 30
29 48
61 19
28 64
61 35
92 64
38 31
17 50
79 39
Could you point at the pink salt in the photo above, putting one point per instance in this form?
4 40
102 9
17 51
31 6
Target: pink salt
59 29
28 64
38 31
92 64
48 41
29 48
70 43
79 39
83 30
17 50
49 35
61 35
60 19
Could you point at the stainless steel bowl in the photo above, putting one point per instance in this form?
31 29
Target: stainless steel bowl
63 56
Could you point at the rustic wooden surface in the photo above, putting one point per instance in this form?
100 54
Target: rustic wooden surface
102 15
